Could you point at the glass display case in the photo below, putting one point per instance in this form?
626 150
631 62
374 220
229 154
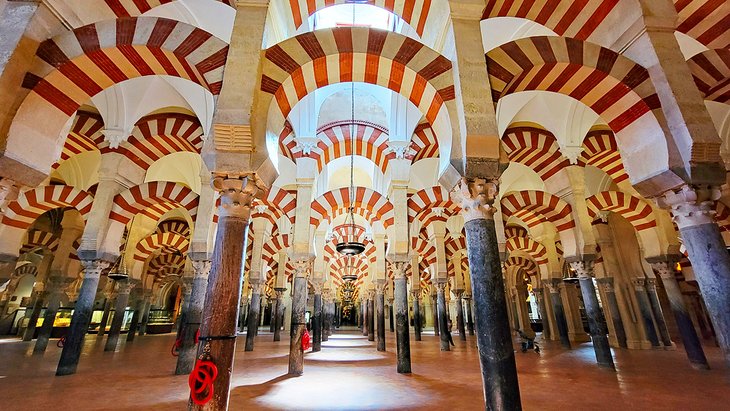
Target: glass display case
160 322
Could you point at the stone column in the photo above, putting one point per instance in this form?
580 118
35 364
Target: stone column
254 312
693 210
326 315
81 317
186 353
540 297
33 312
120 306
223 293
279 313
469 319
460 315
523 318
435 314
364 316
584 270
302 265
55 292
494 339
136 316
402 335
690 340
645 310
656 309
390 312
612 303
380 313
146 313
417 313
317 316
443 316
560 320
371 315
109 296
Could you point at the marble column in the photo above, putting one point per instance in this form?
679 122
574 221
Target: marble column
612 303
108 301
317 316
599 336
460 315
364 317
469 319
254 311
645 310
120 306
136 317
417 313
560 320
380 313
402 335
435 314
193 318
540 297
690 340
55 292
146 313
326 315
693 211
371 315
279 313
656 309
223 293
390 310
494 338
443 316
302 265
523 317
38 299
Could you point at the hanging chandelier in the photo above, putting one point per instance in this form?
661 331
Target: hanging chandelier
350 275
349 245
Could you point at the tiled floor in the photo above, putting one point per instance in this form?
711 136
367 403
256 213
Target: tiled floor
350 374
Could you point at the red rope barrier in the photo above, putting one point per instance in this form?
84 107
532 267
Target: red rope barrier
201 381
176 347
61 342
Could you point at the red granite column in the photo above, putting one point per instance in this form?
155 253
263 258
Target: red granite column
302 266
223 294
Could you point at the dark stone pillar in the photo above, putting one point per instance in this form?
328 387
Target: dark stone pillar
326 316
39 298
494 337
656 309
223 293
469 320
645 311
279 313
612 304
120 306
402 335
540 297
435 314
105 315
392 320
417 313
317 319
584 270
559 311
443 317
254 311
371 316
193 318
55 293
460 316
139 307
365 321
690 340
146 314
81 317
299 308
693 209
380 314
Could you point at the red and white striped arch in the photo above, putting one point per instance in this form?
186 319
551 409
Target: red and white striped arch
153 200
369 203
616 88
569 18
414 12
425 249
422 203
166 264
711 72
424 143
601 151
528 245
514 231
39 239
159 135
706 21
535 148
131 8
282 200
535 207
273 246
526 264
174 226
85 135
167 242
635 210
297 66
30 204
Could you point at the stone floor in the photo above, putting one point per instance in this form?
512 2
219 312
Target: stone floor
350 374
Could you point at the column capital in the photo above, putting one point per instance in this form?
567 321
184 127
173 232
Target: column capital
93 268
639 283
691 205
302 264
476 198
201 268
256 287
398 266
380 286
125 286
554 285
237 193
665 269
441 286
583 268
